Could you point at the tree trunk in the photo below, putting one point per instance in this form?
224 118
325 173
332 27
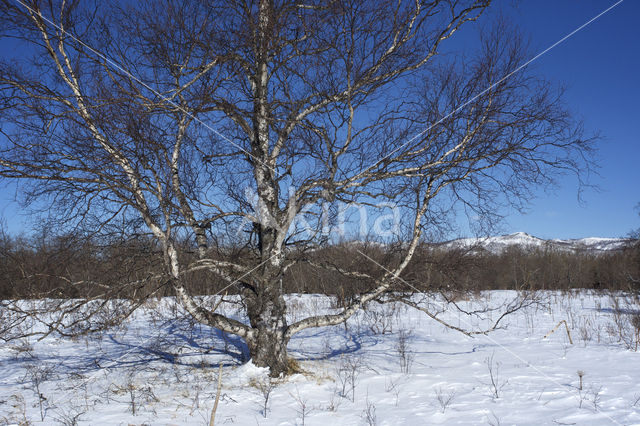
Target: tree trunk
268 348
268 341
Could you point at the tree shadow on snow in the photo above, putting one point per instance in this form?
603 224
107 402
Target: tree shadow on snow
352 342
623 311
180 345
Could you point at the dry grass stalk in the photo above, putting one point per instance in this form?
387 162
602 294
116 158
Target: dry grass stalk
215 404
556 327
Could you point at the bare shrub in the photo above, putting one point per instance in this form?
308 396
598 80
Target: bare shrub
302 408
19 413
635 322
393 386
69 416
582 397
79 384
348 372
592 394
369 413
381 319
37 375
138 396
595 394
586 331
264 385
495 421
626 321
334 402
22 347
495 382
445 398
404 352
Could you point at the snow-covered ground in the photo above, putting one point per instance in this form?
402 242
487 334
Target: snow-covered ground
393 365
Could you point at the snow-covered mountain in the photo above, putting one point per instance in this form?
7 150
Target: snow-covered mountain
522 239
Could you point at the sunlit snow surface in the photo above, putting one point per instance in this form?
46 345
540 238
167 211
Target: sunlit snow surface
166 370
525 241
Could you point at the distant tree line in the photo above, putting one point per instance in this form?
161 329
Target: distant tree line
73 267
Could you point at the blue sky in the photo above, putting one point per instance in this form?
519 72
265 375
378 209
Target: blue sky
600 65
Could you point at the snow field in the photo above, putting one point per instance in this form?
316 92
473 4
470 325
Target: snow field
389 365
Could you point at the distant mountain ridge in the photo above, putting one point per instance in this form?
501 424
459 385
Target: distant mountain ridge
524 240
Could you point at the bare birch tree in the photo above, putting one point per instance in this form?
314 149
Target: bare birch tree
194 118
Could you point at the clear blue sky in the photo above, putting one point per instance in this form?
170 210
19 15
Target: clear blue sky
601 67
